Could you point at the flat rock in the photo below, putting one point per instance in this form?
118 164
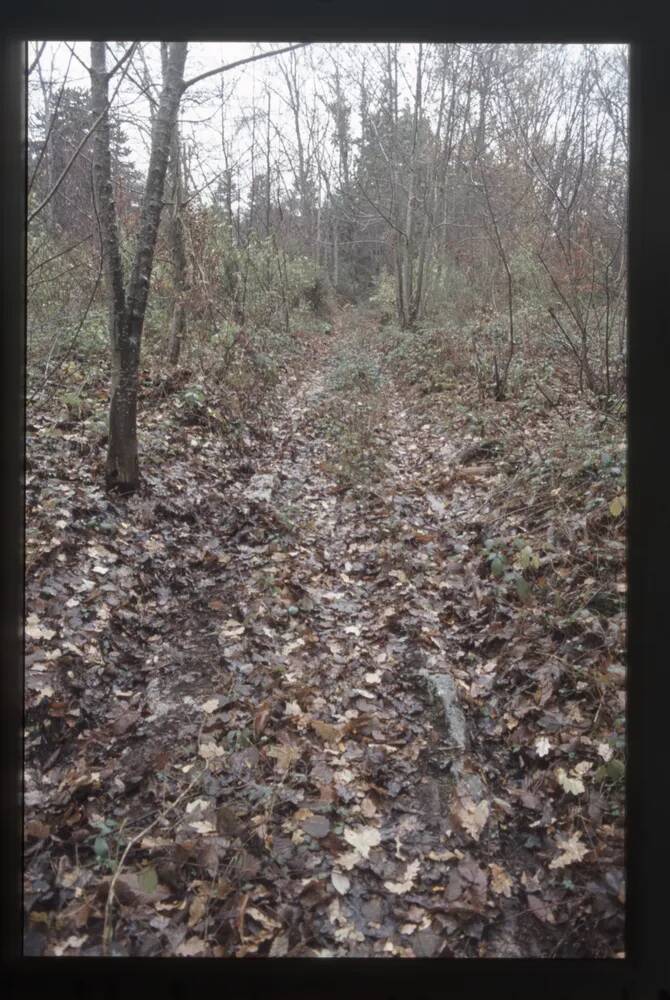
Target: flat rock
442 691
260 487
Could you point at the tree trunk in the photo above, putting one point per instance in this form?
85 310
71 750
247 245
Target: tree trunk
177 328
128 307
178 253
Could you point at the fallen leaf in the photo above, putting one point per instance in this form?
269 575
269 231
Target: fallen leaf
408 881
540 910
617 505
203 826
34 630
542 746
573 785
72 942
147 879
572 850
284 755
316 826
196 805
340 882
327 732
501 883
124 722
261 718
349 859
189 949
211 706
279 946
197 909
442 855
362 839
472 816
36 829
262 918
368 808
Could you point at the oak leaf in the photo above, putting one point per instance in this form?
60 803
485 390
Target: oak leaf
362 839
571 850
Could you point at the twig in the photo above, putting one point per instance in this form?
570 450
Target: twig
107 929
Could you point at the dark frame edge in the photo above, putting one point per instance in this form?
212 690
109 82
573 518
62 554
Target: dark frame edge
648 686
12 369
645 974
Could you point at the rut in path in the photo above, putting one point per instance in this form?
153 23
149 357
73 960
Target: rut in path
273 703
363 829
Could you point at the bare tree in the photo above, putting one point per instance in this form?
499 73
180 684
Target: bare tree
127 302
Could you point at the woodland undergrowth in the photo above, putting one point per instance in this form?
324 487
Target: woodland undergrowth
225 746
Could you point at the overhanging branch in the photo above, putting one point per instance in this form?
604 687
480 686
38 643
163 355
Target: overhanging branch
241 62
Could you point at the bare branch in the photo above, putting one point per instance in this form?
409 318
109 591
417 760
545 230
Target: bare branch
36 59
52 122
241 62
81 62
45 201
119 63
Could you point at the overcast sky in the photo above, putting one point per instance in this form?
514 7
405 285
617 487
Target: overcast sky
203 116
201 107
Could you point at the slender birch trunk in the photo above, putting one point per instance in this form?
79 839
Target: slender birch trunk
128 305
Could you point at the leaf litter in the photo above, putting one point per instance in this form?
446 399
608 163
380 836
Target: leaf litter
224 717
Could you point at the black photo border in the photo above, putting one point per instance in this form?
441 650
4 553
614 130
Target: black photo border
645 972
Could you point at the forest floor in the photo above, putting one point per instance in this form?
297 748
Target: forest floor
232 748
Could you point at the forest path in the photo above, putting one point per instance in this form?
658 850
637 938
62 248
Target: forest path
370 829
240 686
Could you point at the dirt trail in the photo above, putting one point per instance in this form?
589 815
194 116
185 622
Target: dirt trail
267 722
361 827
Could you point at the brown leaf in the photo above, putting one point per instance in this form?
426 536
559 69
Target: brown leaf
37 830
472 815
197 909
368 807
227 822
540 910
468 883
191 948
129 890
327 794
285 755
501 883
124 722
77 914
316 826
279 946
124 892
572 850
242 909
261 718
327 732
208 857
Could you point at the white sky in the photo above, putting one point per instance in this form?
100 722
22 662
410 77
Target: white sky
201 107
244 88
